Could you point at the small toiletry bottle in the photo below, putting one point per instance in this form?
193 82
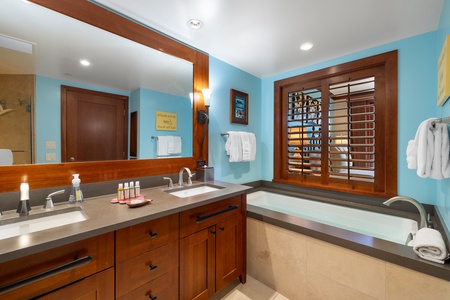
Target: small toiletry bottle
132 194
77 189
126 192
120 192
137 189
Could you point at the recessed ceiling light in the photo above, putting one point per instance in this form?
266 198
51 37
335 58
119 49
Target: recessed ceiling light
306 46
85 62
195 24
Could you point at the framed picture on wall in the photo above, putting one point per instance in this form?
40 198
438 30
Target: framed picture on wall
238 107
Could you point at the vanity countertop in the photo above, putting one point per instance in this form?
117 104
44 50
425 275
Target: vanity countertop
104 216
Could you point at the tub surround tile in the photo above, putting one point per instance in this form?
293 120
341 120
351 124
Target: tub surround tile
349 268
278 257
313 269
403 283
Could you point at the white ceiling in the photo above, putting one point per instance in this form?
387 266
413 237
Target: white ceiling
263 37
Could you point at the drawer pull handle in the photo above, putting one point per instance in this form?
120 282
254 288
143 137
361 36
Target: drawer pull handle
151 297
222 228
78 262
203 218
152 267
153 234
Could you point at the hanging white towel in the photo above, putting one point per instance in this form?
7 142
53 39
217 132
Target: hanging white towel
429 151
233 146
241 146
174 145
429 245
6 157
248 146
162 145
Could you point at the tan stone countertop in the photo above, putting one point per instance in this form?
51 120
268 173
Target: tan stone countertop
103 216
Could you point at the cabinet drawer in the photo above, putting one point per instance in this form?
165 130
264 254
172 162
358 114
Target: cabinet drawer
140 238
163 287
204 216
143 268
77 260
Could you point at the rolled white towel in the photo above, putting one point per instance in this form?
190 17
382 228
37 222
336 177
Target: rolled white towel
429 245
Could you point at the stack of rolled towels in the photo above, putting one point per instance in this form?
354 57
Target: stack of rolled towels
429 245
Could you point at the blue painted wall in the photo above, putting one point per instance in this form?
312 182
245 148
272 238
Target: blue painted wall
149 103
222 78
417 98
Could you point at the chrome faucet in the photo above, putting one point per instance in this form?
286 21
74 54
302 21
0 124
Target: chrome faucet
180 176
423 219
24 203
170 183
49 202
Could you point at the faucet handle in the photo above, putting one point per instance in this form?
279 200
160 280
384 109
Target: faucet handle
49 201
170 184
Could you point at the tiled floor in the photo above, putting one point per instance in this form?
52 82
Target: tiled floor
252 290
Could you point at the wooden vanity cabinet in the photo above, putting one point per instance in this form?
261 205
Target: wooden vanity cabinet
147 260
58 268
212 247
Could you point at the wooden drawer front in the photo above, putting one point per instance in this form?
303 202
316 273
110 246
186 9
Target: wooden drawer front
99 248
96 287
202 217
143 268
140 238
164 287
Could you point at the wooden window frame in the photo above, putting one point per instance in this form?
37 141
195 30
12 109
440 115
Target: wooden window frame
385 181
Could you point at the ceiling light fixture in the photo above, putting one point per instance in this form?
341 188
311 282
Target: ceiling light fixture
306 46
85 62
195 23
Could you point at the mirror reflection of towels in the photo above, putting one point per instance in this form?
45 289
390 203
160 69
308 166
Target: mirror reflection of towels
167 145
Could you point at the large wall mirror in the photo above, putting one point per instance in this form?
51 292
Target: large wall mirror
154 72
46 52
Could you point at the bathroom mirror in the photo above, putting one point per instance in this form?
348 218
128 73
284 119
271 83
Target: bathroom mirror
44 175
51 46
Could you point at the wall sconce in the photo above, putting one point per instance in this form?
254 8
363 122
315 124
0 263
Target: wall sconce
202 115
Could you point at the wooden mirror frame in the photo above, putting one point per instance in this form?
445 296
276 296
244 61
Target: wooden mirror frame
48 175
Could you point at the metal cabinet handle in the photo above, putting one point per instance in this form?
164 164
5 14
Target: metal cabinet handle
206 217
153 234
78 262
152 267
151 297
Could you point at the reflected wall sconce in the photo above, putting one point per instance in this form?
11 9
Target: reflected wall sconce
202 115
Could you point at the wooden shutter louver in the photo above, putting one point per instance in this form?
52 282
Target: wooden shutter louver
304 132
351 149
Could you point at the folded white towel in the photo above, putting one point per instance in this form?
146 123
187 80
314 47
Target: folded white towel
429 245
6 157
429 151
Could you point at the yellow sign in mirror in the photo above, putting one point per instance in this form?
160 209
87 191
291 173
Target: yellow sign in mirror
444 73
166 121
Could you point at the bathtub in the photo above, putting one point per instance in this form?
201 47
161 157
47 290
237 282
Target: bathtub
372 224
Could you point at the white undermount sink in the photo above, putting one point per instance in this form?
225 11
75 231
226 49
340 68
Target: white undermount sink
194 191
23 225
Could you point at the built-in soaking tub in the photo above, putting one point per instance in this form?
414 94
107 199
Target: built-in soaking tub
325 249
391 228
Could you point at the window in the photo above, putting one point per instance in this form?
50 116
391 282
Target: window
336 128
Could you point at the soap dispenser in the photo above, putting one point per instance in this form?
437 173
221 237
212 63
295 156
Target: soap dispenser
76 196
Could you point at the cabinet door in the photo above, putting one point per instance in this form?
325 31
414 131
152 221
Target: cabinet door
229 251
96 287
197 265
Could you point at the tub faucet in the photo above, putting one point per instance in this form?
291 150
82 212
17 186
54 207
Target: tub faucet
180 176
423 219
